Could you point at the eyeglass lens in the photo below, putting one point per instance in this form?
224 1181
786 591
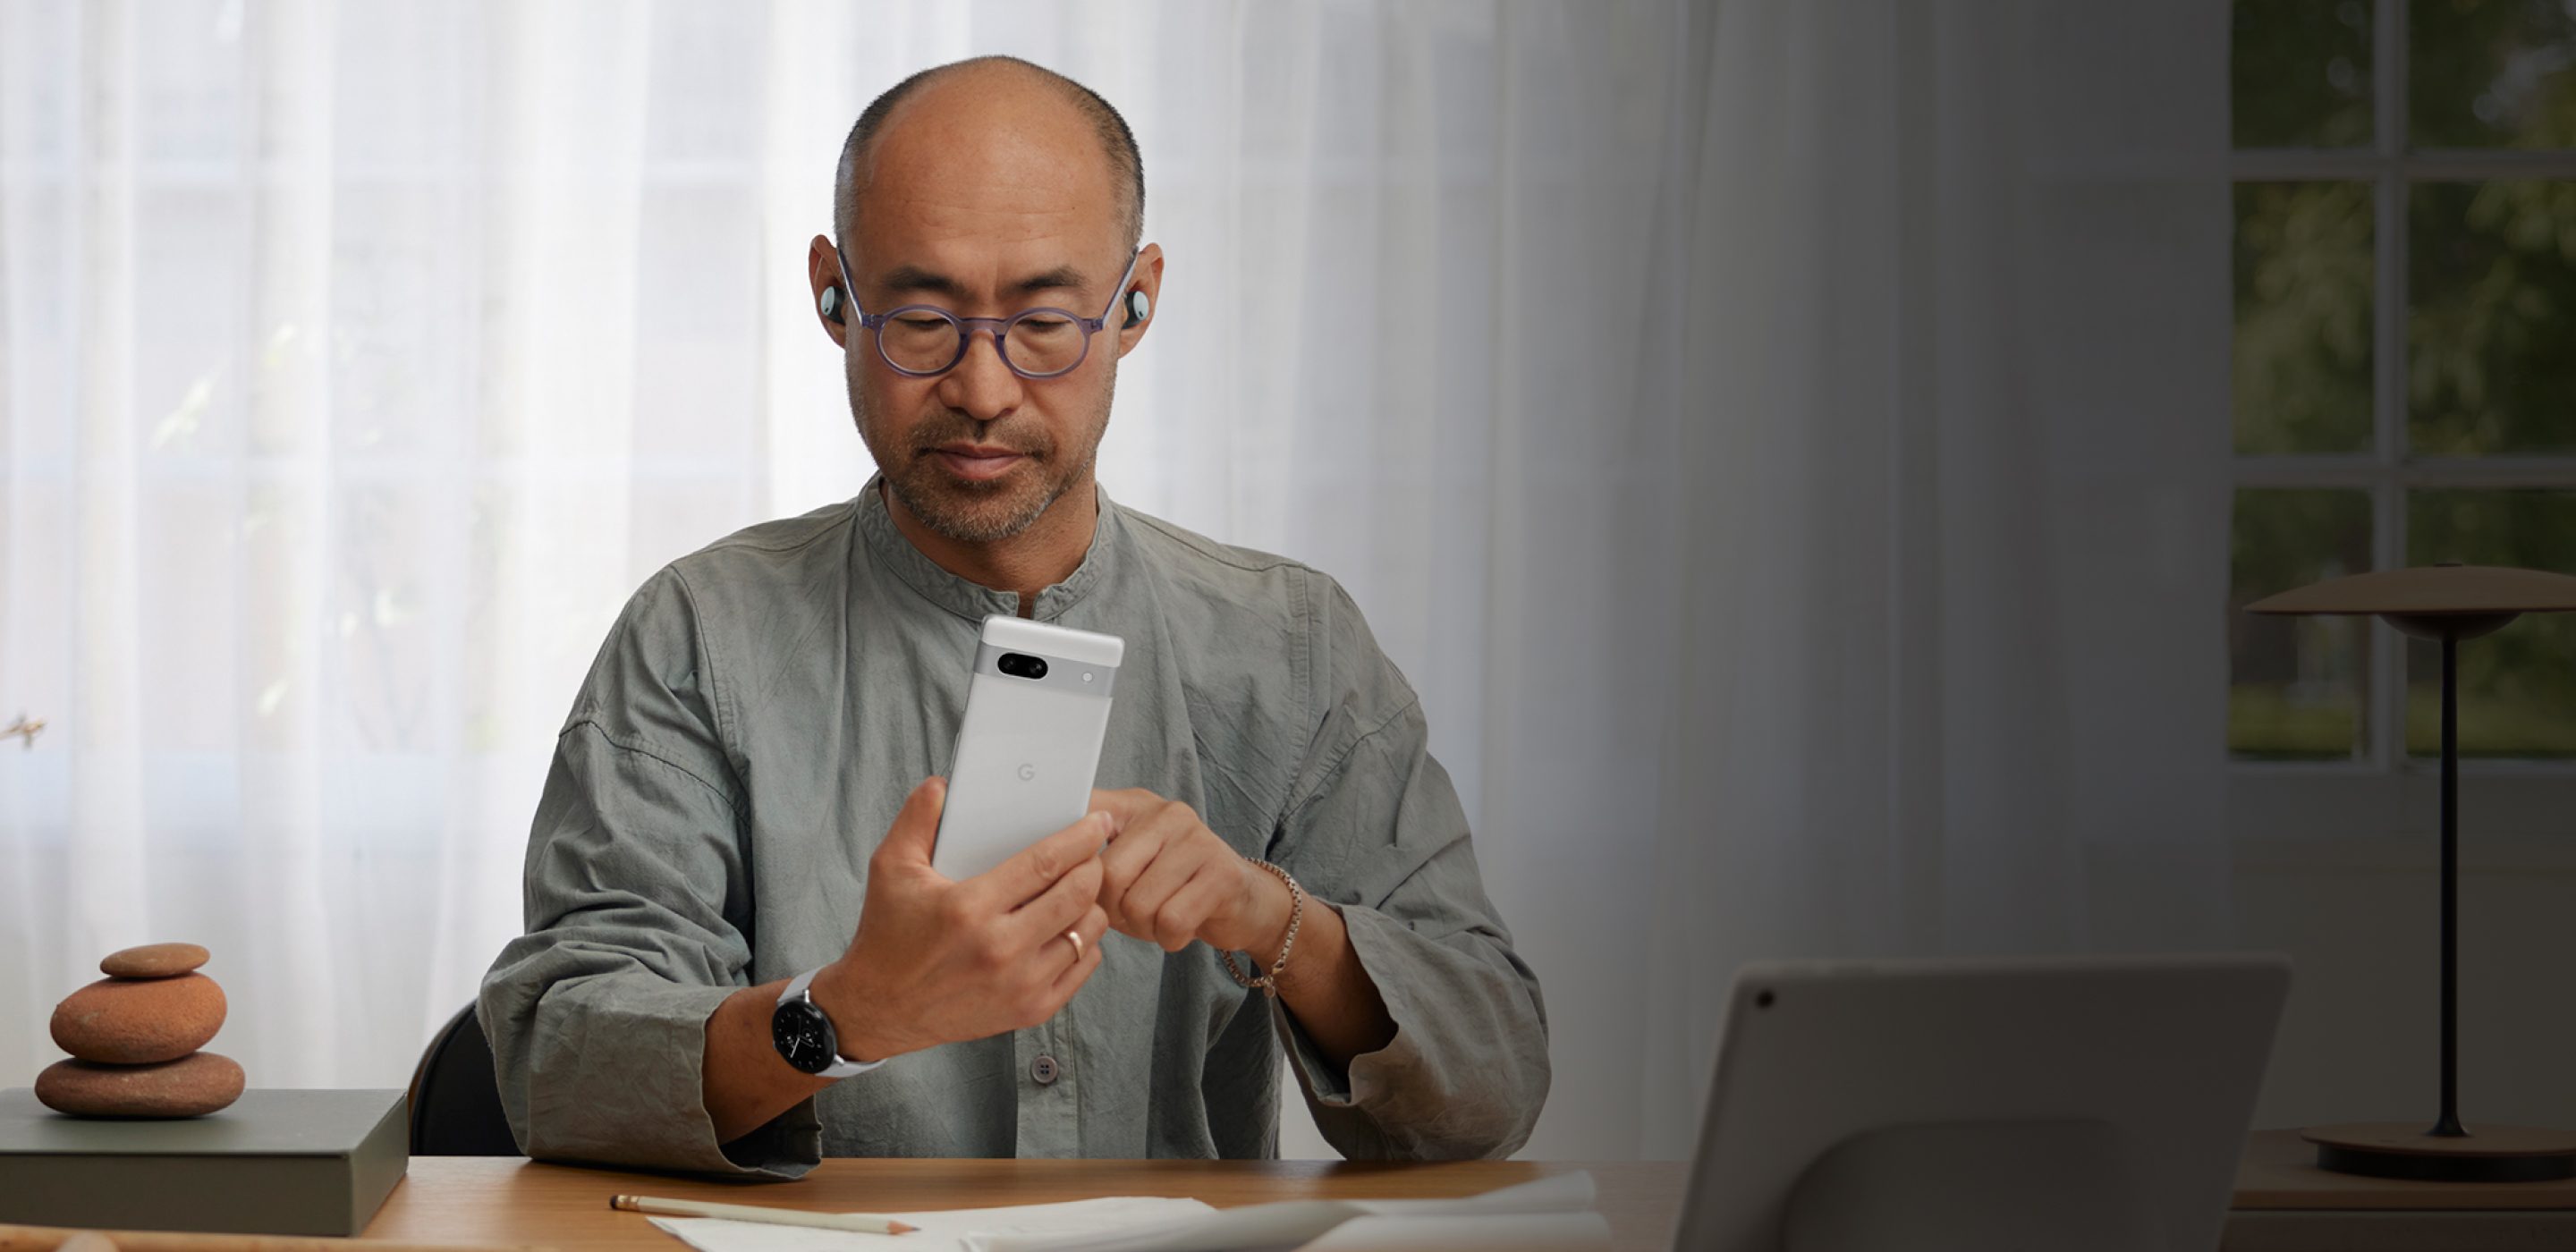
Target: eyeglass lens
926 342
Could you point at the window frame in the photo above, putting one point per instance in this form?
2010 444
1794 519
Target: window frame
2391 167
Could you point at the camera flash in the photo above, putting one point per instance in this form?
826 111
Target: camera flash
1086 677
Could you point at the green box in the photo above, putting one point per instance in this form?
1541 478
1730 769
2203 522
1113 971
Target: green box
275 1163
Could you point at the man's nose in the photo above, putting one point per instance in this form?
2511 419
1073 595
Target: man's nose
982 385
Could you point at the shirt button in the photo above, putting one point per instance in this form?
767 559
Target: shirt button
1045 1070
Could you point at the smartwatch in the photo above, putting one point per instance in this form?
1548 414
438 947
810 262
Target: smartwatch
803 1034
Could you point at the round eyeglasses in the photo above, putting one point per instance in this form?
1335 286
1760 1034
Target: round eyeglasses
924 340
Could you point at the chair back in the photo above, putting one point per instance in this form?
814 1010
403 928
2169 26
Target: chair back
455 1101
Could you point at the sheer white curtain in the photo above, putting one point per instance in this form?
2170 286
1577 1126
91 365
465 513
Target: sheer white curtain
1957 540
1783 442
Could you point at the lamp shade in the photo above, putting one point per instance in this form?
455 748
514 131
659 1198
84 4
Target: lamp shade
2433 601
2430 589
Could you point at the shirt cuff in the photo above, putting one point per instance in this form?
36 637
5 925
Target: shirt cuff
622 1083
1334 1086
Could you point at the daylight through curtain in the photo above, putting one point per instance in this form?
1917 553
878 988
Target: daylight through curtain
1782 443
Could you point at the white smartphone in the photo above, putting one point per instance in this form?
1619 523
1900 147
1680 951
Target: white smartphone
1029 747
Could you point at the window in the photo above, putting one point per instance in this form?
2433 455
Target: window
2405 364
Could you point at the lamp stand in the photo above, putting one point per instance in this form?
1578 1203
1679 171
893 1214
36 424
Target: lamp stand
2450 1151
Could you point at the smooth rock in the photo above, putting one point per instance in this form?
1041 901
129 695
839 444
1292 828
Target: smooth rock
191 1086
154 960
139 1021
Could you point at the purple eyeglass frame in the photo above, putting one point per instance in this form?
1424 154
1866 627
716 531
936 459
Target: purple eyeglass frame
1000 326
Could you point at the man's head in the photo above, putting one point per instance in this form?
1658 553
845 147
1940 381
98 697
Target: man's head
1117 143
986 188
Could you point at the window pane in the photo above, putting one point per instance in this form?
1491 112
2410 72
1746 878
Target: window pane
2492 277
2518 685
2297 686
2491 74
2301 71
2303 276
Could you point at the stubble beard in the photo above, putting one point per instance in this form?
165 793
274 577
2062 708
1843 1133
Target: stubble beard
980 512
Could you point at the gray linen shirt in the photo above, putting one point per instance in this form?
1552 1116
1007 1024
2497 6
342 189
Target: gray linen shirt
759 713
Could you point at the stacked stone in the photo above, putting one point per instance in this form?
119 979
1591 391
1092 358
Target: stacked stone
134 1035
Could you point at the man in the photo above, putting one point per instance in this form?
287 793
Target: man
725 845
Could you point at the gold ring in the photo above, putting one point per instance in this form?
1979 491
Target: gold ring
1075 936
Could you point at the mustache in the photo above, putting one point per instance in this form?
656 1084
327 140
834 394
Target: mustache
951 426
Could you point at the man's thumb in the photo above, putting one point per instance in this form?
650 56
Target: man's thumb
916 829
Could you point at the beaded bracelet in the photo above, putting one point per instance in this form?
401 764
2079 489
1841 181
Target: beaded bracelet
1296 914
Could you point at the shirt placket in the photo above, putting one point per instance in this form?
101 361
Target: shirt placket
1050 1121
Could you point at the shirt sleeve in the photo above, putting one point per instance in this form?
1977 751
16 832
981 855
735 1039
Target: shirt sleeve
1374 826
638 922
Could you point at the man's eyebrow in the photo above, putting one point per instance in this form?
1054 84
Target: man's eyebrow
1057 279
913 278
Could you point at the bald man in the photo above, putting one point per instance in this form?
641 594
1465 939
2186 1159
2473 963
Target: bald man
739 958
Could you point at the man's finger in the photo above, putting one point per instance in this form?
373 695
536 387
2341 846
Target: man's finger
1072 898
1076 972
1122 863
1123 805
1176 862
1037 867
916 827
1091 926
1178 921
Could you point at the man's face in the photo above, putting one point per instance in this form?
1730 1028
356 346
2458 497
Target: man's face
988 196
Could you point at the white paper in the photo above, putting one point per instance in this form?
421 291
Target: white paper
947 1231
1290 1223
1466 1234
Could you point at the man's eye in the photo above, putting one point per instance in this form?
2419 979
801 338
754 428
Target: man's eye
1043 325
922 325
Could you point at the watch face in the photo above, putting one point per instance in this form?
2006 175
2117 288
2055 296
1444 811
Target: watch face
804 1036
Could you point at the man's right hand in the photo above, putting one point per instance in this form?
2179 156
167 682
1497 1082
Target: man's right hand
936 960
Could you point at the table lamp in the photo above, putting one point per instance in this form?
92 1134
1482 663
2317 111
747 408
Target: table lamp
2449 603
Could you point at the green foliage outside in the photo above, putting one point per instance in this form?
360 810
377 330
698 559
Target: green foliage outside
2302 345
2491 338
2297 686
2300 73
2489 73
2265 724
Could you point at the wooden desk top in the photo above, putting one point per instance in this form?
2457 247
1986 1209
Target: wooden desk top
507 1200
2280 1172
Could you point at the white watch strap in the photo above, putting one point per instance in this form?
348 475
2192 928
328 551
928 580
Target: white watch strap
842 1066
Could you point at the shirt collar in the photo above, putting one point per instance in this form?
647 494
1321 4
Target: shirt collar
971 600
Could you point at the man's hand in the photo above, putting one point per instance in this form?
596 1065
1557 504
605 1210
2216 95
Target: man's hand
936 960
1167 879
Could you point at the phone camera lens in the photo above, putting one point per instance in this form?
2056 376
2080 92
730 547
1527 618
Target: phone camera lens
1020 665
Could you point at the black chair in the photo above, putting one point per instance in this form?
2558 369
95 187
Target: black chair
455 1102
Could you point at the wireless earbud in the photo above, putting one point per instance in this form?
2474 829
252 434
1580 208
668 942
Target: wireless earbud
1138 307
831 305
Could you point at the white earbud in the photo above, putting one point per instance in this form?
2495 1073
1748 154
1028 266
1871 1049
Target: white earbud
831 304
1138 307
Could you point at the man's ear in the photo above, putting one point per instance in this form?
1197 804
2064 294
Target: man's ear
1143 295
832 305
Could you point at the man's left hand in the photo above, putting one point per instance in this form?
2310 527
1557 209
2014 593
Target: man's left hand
1167 879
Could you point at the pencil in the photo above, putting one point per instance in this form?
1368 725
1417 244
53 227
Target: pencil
860 1222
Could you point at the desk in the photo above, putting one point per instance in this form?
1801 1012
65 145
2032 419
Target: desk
2284 1203
507 1200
